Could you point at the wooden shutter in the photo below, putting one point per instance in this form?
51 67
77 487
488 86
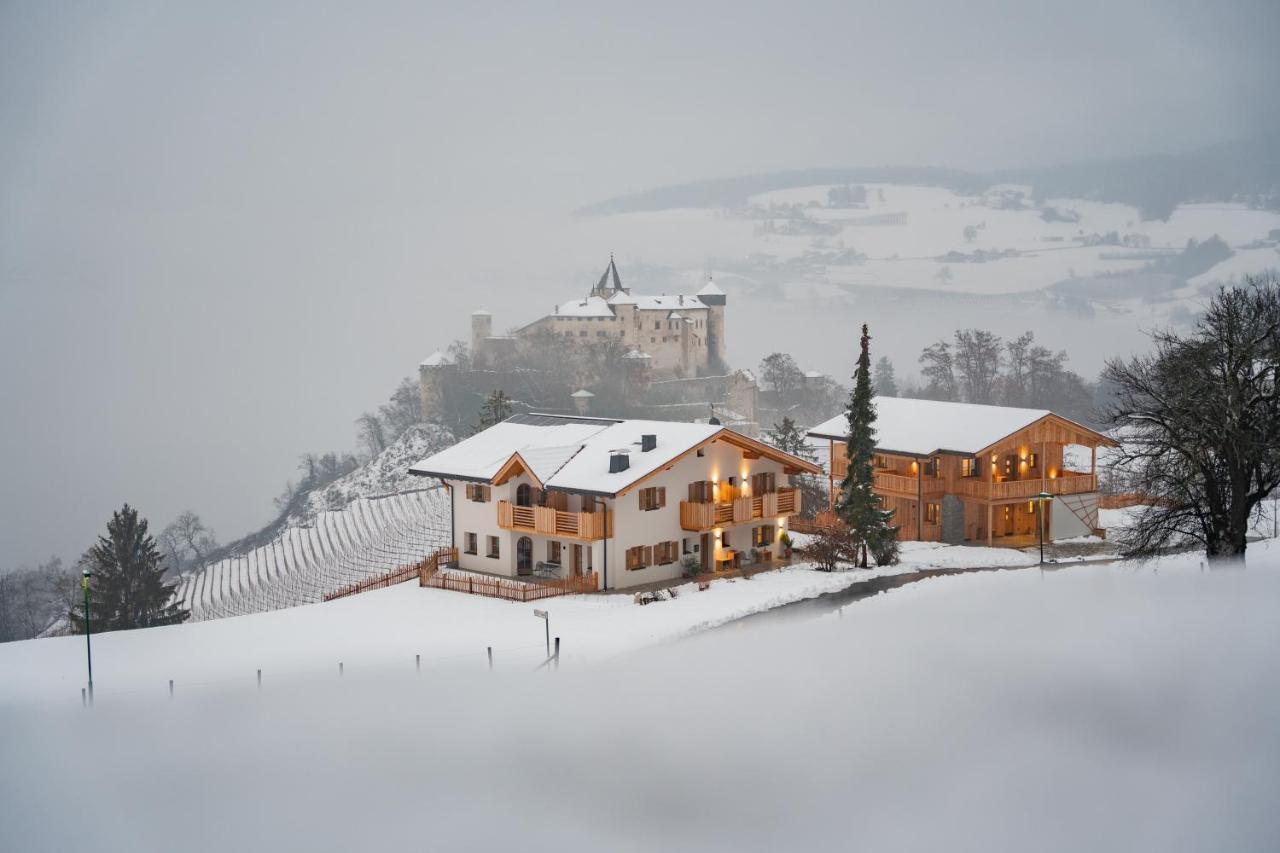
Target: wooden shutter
662 496
648 555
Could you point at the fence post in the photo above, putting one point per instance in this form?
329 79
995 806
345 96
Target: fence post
84 700
417 662
491 658
170 688
339 668
259 679
557 652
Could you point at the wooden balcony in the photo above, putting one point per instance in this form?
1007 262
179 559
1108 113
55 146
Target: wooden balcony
547 521
1066 483
705 516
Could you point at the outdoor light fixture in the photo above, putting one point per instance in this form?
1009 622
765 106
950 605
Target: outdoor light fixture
1040 499
88 648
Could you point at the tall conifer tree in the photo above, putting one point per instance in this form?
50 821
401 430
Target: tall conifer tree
128 588
859 507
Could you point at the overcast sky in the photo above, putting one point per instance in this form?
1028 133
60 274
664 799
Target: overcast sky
226 229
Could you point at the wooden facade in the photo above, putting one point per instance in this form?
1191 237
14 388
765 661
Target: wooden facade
997 485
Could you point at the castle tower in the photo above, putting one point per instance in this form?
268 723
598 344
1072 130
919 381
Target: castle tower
431 378
714 298
481 331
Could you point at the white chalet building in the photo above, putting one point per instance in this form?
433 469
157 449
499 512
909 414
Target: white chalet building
629 500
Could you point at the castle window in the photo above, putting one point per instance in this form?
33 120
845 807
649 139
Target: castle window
582 334
470 545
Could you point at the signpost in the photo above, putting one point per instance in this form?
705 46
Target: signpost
546 618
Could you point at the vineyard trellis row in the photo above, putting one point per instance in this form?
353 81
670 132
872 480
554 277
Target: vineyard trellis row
369 537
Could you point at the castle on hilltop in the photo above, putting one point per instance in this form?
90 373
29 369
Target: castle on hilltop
672 347
678 336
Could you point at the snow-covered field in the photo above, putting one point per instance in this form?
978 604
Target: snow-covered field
387 629
1115 707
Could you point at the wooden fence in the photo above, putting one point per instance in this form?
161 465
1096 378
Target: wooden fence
511 590
401 574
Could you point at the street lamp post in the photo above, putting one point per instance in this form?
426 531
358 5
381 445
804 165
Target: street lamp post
1040 499
88 646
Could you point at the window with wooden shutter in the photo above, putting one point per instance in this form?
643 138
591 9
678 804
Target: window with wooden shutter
478 492
765 481
553 552
654 497
700 492
666 552
637 558
762 536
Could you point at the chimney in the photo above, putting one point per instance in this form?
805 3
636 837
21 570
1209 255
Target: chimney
619 460
648 442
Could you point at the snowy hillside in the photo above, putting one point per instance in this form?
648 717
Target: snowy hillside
372 520
918 262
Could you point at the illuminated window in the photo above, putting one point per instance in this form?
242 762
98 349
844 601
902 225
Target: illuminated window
930 513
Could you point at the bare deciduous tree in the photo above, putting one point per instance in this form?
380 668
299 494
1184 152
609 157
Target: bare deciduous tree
1201 424
977 362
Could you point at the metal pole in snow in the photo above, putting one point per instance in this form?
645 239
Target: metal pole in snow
88 647
557 652
417 662
490 649
170 688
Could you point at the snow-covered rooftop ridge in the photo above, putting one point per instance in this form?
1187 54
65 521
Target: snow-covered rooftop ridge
924 426
710 289
568 453
437 359
596 306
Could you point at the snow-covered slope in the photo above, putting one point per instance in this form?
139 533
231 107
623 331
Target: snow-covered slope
374 519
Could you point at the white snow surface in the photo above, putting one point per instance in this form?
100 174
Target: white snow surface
386 628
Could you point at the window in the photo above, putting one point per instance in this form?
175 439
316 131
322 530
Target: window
582 334
553 552
665 553
765 481
881 462
478 492
930 513
931 467
654 497
702 451
639 557
689 545
724 539
762 536
493 547
469 543
969 467
1008 464
701 492
1033 461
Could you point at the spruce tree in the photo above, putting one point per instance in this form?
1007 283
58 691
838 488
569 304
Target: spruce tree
859 506
496 409
128 588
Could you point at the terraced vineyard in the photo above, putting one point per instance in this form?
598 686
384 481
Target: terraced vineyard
370 536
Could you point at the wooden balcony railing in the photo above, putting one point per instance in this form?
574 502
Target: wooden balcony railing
553 522
704 516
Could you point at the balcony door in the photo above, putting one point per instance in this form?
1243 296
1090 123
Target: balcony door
524 495
524 556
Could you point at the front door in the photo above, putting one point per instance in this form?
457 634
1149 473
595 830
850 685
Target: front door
577 560
524 556
704 550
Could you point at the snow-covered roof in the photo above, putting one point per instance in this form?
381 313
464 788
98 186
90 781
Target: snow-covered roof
589 306
436 359
582 393
710 289
923 427
481 313
664 302
622 298
571 453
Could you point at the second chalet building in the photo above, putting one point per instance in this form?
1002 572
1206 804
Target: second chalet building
628 500
956 472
